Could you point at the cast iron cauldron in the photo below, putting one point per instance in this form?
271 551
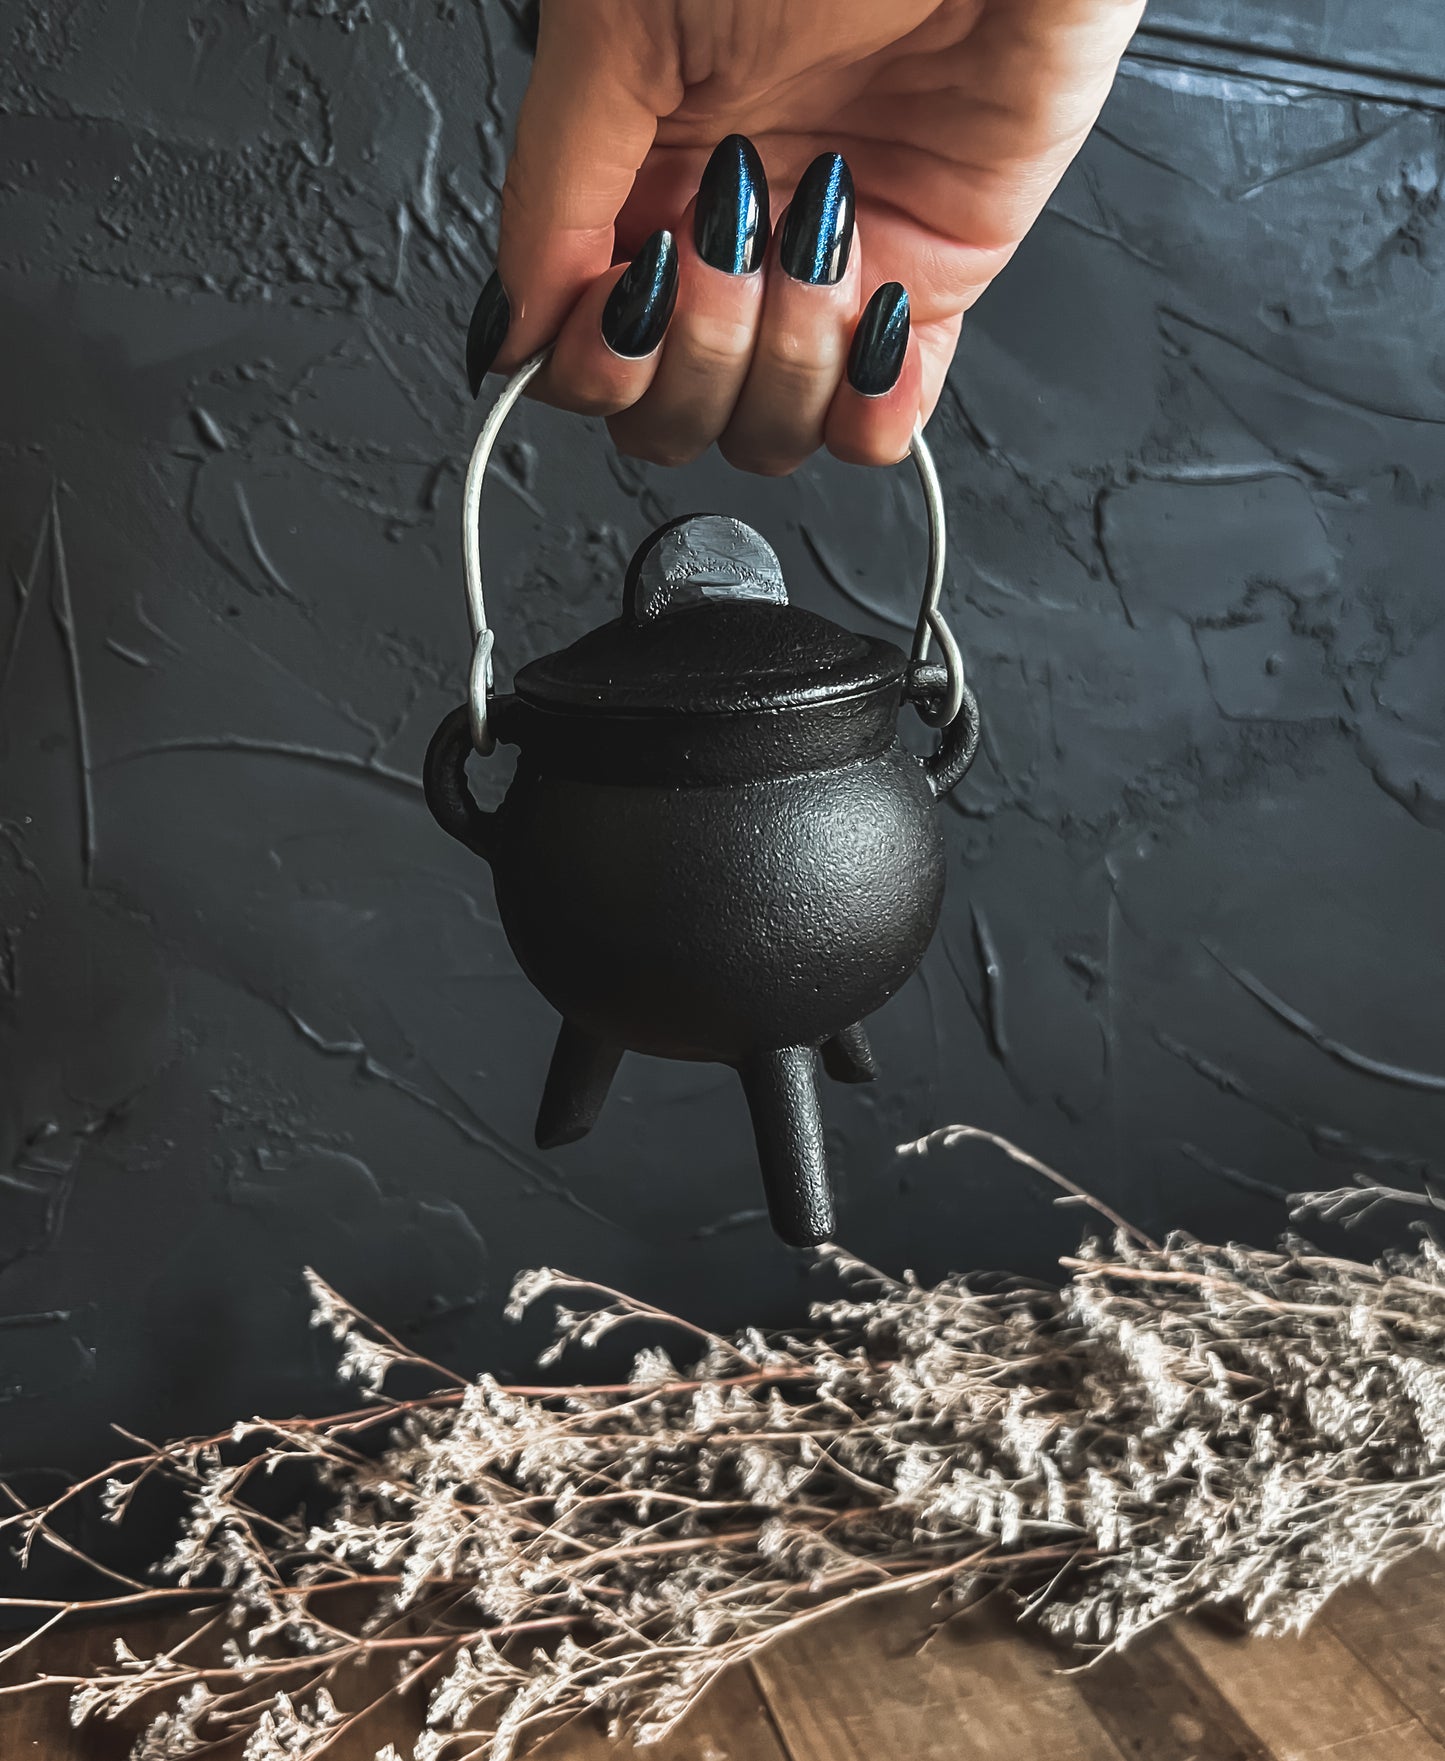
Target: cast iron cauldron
715 846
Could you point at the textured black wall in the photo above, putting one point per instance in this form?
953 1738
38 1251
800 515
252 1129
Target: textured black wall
256 1011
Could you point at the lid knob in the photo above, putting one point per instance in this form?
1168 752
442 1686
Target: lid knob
697 560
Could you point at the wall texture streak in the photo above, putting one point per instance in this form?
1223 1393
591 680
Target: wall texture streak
256 1010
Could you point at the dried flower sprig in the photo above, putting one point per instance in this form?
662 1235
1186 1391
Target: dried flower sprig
1178 1425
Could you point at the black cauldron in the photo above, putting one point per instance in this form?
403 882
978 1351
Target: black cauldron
715 846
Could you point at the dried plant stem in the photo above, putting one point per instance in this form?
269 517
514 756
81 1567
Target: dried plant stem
1087 1270
947 1137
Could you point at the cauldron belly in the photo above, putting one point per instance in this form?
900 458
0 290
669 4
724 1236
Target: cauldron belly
707 921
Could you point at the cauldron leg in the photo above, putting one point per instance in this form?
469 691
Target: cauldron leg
848 1057
577 1084
783 1099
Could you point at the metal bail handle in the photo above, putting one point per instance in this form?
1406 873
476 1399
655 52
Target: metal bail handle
931 621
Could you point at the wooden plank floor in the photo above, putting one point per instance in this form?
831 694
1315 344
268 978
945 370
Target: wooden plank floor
1366 1683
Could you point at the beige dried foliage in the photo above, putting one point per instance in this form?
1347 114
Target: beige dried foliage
1178 1425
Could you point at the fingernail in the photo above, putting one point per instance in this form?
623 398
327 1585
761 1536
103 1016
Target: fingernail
731 222
818 227
880 342
640 305
491 318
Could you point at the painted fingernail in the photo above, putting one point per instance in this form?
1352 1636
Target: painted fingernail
639 307
818 227
731 222
491 318
880 342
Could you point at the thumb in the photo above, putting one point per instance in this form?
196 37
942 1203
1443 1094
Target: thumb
600 81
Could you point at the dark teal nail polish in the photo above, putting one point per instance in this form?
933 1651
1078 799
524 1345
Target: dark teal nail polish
880 342
731 222
640 306
818 227
491 319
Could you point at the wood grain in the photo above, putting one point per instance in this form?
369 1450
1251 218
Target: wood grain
1309 1697
1158 1704
864 1685
1396 1630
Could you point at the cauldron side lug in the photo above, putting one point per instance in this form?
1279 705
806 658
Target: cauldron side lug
577 1083
448 794
946 767
782 1095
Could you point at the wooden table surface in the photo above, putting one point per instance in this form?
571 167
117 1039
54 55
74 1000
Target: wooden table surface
1365 1683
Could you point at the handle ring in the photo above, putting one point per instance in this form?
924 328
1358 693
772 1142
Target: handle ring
931 622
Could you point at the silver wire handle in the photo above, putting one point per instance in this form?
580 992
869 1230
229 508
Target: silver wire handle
931 621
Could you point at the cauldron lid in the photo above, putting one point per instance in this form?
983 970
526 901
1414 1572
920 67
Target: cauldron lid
706 629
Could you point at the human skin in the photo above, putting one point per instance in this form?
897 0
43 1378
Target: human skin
956 120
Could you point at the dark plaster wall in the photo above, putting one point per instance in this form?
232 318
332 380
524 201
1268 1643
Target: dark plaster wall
256 1011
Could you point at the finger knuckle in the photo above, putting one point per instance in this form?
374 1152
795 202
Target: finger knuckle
589 400
714 347
657 452
743 456
872 450
795 358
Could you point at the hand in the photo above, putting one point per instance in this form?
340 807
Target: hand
919 140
